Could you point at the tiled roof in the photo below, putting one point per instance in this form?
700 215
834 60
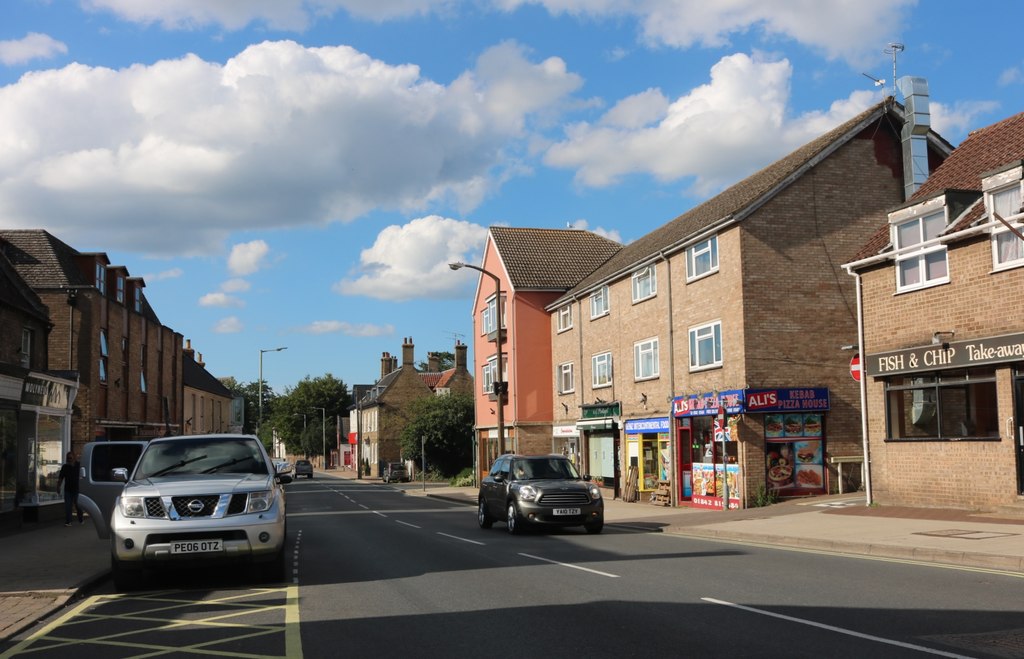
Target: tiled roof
431 379
196 376
737 201
15 293
550 259
41 259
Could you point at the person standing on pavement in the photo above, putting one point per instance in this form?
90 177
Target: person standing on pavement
69 479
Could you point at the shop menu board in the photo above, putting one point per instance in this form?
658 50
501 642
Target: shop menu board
795 456
708 487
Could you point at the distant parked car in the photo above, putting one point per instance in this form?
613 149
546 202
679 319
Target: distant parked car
395 472
303 468
538 489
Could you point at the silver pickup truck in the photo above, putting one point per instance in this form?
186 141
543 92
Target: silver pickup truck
97 487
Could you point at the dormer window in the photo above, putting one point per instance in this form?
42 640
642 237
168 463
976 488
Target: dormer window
922 259
120 288
101 279
1007 247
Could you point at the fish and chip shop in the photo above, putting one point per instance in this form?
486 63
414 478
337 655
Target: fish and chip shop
740 440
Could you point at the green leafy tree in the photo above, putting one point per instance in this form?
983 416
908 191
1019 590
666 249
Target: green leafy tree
299 420
445 423
250 391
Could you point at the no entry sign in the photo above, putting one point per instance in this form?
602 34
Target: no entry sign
855 367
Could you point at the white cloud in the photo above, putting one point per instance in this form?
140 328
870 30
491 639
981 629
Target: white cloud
411 261
33 46
202 149
960 118
220 300
247 258
228 325
349 329
235 286
714 135
610 234
172 273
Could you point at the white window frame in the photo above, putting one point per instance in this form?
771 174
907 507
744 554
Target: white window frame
697 254
565 317
600 304
488 316
566 378
490 370
1001 200
601 372
925 256
699 337
646 359
645 283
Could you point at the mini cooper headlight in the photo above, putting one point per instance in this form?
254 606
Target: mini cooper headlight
528 493
260 501
595 492
133 506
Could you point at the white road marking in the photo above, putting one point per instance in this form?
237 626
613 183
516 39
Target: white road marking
408 524
838 630
575 567
455 537
364 507
377 512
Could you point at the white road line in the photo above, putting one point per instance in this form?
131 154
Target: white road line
377 512
838 630
408 524
575 567
364 507
455 537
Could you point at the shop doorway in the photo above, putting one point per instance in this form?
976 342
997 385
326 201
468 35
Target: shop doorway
1018 428
684 446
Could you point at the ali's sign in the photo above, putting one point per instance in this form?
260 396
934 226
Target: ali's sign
957 354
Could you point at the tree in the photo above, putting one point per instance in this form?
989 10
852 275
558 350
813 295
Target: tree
299 420
445 424
251 392
445 361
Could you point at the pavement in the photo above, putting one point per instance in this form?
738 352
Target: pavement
45 566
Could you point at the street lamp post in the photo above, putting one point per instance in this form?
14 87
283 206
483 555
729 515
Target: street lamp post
499 384
259 417
323 433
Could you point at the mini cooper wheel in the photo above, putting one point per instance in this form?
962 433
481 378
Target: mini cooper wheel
516 524
483 518
594 527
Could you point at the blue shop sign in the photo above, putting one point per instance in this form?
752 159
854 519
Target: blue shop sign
807 399
634 426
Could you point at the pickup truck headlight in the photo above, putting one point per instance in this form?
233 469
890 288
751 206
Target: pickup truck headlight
133 506
260 501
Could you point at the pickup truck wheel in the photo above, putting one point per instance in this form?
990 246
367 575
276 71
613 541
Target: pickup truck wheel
483 518
125 578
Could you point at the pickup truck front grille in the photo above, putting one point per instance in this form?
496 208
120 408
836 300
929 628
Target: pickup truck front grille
195 506
155 507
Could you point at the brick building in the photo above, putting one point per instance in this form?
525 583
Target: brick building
207 402
128 363
35 404
741 306
535 267
942 302
379 415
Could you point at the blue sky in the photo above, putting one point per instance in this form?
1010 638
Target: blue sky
299 172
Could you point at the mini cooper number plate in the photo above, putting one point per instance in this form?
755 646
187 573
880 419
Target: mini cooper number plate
196 546
566 511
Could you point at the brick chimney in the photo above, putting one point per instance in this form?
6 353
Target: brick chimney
188 351
407 352
200 360
460 356
433 363
385 364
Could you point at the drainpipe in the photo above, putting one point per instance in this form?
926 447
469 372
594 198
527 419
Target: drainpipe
863 392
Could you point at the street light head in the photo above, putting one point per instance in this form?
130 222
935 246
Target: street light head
457 265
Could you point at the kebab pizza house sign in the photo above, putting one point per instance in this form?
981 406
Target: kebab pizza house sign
809 399
958 354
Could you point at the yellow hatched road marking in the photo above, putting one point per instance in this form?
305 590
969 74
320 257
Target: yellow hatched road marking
90 612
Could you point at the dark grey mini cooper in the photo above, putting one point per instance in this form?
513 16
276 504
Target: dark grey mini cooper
543 490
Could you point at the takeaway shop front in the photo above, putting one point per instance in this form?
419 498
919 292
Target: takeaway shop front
789 440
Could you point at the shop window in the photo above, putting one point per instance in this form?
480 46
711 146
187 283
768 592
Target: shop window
601 370
706 346
599 303
566 379
951 405
702 259
921 263
645 359
645 283
1007 248
12 490
565 317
